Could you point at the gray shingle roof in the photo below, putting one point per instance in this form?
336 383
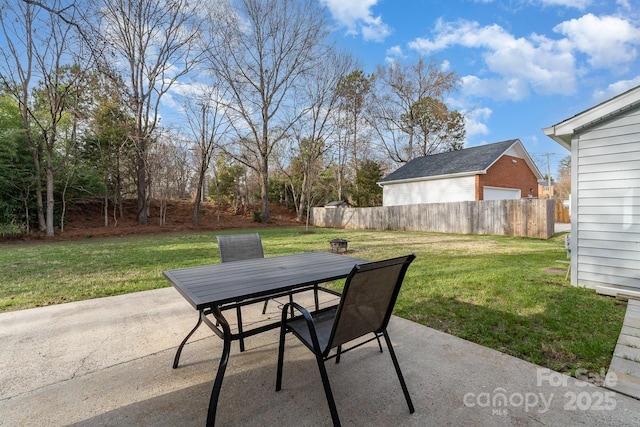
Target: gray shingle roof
473 159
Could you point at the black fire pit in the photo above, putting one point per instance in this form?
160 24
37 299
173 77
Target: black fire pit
338 244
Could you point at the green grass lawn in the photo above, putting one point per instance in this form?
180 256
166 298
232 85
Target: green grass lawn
491 290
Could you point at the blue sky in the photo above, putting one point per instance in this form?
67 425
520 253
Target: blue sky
523 64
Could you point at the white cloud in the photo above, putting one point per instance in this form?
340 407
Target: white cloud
395 51
190 90
625 4
615 89
475 121
394 54
519 64
511 89
608 41
578 4
357 17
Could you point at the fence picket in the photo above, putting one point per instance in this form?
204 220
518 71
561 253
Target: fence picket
524 217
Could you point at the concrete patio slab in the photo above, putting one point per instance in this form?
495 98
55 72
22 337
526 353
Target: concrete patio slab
107 362
625 364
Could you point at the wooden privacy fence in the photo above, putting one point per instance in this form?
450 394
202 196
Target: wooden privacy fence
562 213
523 217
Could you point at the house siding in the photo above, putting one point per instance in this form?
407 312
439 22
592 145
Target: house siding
505 173
457 189
606 206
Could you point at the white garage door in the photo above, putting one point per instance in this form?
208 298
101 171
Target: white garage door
498 193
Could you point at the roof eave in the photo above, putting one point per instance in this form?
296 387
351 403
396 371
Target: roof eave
563 132
525 155
432 178
564 140
529 161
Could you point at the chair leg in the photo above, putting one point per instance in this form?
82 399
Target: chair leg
280 357
339 348
327 390
405 390
264 307
379 343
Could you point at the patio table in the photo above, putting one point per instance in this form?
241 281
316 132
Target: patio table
212 289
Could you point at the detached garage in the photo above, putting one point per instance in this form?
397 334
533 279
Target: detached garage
605 194
499 171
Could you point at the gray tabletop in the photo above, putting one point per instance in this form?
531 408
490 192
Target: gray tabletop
219 284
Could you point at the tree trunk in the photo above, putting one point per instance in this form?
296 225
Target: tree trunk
264 172
303 198
50 199
117 195
340 180
42 224
264 192
201 175
106 209
196 203
26 215
143 204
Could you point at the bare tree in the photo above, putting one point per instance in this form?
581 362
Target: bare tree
261 50
399 113
169 164
209 124
66 12
108 143
354 92
151 44
39 47
313 133
340 148
18 22
563 186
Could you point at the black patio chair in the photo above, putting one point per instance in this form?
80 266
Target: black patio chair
368 297
236 247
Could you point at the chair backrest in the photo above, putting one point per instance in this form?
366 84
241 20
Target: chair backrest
367 301
236 247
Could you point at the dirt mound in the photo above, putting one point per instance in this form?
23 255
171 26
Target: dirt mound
87 220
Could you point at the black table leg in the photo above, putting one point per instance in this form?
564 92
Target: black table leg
224 359
184 341
241 339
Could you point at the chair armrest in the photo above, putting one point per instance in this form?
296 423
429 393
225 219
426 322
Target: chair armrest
305 313
309 320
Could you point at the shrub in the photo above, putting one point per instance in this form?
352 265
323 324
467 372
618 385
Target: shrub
11 229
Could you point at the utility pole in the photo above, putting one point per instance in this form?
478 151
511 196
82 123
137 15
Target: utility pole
548 155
